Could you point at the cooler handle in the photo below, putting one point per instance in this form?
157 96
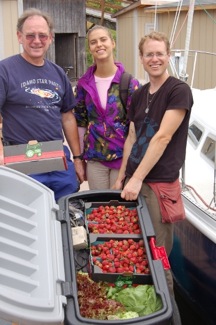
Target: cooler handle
59 251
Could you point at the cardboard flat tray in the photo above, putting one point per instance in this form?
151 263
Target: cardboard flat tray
112 218
97 274
36 157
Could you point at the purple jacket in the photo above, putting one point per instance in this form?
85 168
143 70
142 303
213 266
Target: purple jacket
106 130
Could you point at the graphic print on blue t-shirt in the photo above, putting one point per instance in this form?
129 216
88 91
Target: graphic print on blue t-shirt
36 87
44 93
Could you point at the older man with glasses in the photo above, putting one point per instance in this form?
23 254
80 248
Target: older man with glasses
36 101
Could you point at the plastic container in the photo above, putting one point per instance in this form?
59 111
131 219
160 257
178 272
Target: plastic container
38 263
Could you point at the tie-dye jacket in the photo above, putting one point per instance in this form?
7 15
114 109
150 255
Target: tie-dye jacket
106 129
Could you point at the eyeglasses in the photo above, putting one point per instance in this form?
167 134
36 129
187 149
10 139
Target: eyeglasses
31 37
157 54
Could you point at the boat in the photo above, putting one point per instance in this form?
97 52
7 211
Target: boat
193 258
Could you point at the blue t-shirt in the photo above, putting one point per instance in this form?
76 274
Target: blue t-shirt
32 99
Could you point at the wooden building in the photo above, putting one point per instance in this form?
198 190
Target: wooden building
132 22
68 47
141 17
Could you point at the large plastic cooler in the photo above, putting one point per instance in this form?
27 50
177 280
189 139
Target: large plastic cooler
37 269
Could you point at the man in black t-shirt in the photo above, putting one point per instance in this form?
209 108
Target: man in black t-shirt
155 148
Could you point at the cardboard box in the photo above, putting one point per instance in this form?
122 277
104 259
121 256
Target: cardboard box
36 157
97 274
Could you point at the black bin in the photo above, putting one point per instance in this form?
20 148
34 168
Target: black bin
38 279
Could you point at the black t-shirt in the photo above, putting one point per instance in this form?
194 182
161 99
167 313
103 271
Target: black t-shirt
173 94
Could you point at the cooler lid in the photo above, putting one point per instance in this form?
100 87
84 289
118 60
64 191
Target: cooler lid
31 255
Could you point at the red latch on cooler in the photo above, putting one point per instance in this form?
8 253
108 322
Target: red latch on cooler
159 253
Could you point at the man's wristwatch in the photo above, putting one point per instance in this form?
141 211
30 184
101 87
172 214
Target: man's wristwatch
78 157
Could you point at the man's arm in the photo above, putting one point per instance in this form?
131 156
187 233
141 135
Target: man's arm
72 137
131 138
169 124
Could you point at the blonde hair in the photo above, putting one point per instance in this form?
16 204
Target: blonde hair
157 36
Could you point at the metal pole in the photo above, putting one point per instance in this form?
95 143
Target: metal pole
183 74
194 67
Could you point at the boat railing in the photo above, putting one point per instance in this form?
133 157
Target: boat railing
176 63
